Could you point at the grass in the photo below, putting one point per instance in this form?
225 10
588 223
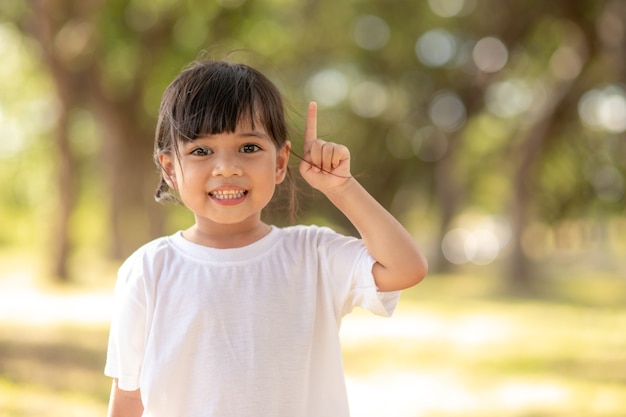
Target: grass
470 353
455 347
52 371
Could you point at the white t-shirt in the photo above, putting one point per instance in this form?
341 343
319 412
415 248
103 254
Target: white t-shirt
244 332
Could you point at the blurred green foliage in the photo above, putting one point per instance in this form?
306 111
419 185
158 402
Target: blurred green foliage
490 128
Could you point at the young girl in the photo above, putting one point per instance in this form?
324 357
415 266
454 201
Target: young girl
233 317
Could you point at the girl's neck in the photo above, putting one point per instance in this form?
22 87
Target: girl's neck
226 236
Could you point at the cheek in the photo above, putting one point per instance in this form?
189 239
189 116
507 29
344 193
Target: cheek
187 177
177 177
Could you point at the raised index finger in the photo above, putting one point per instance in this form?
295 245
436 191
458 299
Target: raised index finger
310 129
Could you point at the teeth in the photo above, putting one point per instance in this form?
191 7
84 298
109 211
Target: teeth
228 194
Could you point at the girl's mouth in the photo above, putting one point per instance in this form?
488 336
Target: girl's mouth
228 194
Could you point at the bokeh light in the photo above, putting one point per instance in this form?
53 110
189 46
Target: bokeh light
371 32
607 182
447 111
508 98
490 54
451 8
566 63
480 247
429 144
328 87
368 99
74 42
477 240
455 246
604 109
436 48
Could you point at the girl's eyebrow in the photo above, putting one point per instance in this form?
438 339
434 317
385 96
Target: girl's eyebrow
253 134
243 134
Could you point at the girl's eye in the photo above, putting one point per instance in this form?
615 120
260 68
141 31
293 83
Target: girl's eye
250 148
201 151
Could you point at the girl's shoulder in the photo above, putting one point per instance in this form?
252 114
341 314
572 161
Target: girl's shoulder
147 254
313 235
152 247
307 231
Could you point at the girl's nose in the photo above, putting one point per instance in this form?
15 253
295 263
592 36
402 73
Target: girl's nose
226 166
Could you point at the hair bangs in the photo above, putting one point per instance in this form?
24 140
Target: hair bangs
215 104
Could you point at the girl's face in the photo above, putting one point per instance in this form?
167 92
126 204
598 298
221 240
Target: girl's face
227 178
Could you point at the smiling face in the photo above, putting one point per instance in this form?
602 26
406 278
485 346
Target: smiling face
226 179
221 143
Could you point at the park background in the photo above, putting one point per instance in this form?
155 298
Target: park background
493 129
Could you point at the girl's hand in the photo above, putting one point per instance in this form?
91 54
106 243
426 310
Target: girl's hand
326 165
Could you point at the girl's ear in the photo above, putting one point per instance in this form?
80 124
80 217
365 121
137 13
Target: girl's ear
282 161
167 169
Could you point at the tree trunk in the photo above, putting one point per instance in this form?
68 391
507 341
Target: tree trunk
450 193
131 178
127 148
521 278
43 30
66 184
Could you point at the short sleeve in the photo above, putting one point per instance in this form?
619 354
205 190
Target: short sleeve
127 333
364 293
349 266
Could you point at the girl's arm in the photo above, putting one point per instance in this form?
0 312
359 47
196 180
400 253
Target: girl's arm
124 403
326 167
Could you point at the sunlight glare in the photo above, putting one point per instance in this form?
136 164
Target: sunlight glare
23 306
518 395
479 330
